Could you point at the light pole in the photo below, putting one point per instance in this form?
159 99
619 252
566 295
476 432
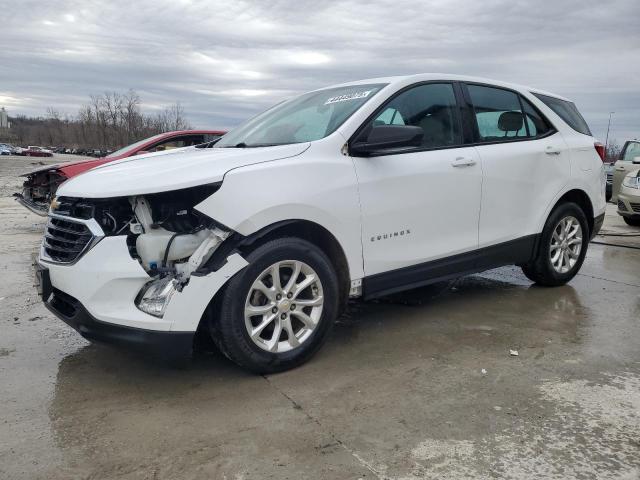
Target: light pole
606 141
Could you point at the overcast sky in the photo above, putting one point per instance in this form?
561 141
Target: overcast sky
225 61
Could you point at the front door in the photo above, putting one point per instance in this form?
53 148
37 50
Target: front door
422 204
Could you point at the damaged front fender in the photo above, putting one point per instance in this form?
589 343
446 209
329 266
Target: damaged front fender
187 307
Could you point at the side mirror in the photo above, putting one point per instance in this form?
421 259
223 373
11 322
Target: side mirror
141 152
386 138
636 160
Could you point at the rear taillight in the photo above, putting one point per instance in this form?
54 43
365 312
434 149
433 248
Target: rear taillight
600 149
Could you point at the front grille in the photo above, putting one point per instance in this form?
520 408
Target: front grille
635 207
621 206
609 177
64 240
74 207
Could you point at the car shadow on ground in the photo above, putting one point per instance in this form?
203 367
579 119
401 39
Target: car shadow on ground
390 324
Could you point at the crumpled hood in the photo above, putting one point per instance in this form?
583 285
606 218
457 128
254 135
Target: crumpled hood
45 168
172 170
71 168
76 167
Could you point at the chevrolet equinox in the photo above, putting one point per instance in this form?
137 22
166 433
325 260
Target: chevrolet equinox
355 190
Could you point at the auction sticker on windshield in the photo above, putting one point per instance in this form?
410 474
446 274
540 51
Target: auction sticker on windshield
348 96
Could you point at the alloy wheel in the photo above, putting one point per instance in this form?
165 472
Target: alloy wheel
566 244
284 306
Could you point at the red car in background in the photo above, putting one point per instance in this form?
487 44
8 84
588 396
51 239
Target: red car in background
41 184
33 151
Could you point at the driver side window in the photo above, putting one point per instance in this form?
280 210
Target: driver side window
431 107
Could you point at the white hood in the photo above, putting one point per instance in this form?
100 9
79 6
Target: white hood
155 173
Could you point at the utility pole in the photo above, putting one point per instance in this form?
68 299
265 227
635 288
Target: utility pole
606 142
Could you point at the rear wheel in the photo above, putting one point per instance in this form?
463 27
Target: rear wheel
634 222
276 313
562 247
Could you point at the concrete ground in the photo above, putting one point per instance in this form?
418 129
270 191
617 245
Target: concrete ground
419 385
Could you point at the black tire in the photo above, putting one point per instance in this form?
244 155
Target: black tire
228 328
634 222
539 269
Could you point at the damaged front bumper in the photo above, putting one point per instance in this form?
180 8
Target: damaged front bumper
170 345
97 297
38 208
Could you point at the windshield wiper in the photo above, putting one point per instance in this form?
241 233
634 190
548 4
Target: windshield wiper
237 145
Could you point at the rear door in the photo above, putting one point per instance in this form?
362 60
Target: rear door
421 204
625 165
524 165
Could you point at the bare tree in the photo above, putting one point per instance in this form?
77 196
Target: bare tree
172 118
108 121
613 151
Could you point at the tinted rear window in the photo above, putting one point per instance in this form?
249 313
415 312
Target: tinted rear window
567 111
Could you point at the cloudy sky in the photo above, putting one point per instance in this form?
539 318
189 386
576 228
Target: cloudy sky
225 61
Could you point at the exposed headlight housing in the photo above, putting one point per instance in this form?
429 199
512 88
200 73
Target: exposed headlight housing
631 181
156 295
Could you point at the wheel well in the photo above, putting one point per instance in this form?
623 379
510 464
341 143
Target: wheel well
582 199
315 234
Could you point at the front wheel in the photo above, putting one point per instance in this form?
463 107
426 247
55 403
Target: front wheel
562 247
634 222
276 313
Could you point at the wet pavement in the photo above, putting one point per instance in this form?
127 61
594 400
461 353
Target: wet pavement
418 385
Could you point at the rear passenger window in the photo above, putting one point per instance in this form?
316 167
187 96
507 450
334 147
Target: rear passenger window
537 124
498 113
431 107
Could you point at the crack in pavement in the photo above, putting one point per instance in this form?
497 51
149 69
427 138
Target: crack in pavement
379 475
608 280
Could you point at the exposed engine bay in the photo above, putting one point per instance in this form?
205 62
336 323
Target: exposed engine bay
169 238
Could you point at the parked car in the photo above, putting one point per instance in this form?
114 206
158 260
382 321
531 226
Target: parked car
5 149
624 165
14 150
629 196
609 169
41 184
260 240
34 151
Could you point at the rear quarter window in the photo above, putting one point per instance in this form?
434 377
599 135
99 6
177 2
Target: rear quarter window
567 111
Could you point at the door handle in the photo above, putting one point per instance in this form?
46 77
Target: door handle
463 162
552 150
620 169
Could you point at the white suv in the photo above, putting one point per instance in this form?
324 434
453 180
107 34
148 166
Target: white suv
355 190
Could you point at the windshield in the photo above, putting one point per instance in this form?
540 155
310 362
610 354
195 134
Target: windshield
133 145
306 118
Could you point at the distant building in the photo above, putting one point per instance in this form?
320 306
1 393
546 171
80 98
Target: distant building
4 119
